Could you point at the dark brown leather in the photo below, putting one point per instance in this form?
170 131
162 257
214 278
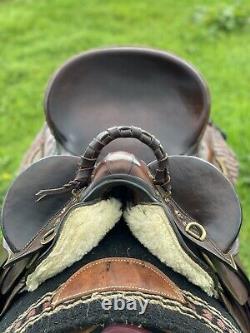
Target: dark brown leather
214 204
235 283
173 102
212 148
13 274
48 172
89 159
208 197
240 313
117 274
122 86
95 147
202 207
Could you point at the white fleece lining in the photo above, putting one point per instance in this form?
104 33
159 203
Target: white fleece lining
83 229
151 227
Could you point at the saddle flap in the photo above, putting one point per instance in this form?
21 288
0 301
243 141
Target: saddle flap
22 216
203 192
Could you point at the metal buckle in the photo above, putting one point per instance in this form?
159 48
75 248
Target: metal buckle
202 232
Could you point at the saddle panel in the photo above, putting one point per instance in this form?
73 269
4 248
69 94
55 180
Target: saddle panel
202 191
144 87
22 216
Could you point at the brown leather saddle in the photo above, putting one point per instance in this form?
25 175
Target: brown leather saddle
132 86
186 202
136 86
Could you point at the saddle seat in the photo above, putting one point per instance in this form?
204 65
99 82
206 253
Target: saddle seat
128 85
148 88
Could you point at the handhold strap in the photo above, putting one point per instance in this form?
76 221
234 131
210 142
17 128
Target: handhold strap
89 158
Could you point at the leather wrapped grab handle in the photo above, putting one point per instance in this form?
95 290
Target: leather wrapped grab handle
88 160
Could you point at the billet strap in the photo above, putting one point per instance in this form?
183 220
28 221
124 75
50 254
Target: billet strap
234 291
12 282
240 313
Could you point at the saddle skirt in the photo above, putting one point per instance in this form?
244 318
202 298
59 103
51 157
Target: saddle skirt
179 207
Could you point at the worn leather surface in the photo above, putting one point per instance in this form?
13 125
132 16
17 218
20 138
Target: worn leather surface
208 197
122 86
118 274
22 216
98 144
199 191
121 162
197 187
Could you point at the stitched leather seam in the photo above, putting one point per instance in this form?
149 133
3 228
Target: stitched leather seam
175 205
171 285
207 239
45 226
117 260
64 216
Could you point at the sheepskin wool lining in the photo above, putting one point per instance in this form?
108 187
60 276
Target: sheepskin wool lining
83 229
87 225
151 227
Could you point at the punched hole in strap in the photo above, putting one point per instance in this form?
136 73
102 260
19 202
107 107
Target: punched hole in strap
49 236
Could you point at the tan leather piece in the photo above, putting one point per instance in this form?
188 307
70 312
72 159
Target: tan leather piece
122 162
117 274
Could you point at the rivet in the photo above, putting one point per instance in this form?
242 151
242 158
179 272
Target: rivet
178 213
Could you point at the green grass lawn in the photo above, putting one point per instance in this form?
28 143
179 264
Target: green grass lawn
37 36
